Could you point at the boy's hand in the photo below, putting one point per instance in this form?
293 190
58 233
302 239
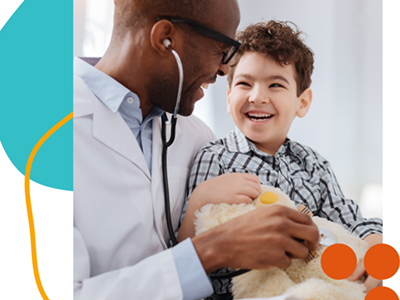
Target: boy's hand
233 188
369 282
228 188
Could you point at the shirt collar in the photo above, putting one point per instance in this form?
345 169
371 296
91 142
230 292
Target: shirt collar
113 95
237 142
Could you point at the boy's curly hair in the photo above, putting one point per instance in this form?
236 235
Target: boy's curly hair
283 43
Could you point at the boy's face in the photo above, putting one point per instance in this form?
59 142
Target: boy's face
263 100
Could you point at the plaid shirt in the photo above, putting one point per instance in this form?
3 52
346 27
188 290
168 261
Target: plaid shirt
304 175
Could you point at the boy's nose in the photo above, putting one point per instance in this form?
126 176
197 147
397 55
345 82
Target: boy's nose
259 96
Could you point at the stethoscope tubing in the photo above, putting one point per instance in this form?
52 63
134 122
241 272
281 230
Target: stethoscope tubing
166 144
179 95
165 173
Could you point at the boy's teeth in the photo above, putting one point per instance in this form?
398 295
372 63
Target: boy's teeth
205 86
259 117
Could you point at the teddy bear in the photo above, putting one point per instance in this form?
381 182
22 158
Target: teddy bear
304 278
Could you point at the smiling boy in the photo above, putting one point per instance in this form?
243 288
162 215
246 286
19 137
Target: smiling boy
269 85
263 100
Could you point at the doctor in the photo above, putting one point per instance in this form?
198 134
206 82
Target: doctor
120 233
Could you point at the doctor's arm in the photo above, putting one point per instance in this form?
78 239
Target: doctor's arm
139 281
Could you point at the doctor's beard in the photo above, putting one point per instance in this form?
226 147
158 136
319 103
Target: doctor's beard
163 94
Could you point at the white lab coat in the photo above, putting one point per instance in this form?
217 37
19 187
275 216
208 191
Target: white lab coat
120 231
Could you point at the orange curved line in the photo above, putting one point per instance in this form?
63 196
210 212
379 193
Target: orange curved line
28 200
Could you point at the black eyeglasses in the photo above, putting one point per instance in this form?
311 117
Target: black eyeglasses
210 33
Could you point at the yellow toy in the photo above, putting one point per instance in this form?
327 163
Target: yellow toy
304 278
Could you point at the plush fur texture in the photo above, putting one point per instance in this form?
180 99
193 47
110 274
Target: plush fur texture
305 280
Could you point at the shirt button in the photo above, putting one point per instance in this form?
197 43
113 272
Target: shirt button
130 100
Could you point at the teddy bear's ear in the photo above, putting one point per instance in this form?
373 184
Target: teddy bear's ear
327 237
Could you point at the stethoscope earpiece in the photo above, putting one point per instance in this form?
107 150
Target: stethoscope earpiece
167 43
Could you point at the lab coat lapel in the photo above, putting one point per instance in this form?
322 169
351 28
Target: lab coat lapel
157 178
111 129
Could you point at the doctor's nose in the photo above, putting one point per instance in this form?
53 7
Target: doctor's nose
223 69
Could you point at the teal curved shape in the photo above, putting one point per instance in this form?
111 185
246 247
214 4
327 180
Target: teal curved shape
36 89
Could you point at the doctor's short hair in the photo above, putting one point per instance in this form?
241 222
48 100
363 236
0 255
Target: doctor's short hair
129 14
283 43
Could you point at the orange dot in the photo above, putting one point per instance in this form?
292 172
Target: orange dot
338 261
381 261
380 293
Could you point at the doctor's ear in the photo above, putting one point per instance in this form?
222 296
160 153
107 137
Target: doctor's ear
305 102
162 36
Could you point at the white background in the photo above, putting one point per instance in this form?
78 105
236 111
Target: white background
53 208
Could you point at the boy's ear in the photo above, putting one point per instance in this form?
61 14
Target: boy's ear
305 103
228 94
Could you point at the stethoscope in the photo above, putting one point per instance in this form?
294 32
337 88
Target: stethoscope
166 144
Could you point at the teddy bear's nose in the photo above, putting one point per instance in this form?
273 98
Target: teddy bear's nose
269 198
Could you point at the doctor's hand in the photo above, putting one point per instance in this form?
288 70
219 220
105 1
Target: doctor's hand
260 239
233 188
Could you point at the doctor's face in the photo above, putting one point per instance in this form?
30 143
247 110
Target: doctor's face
202 58
203 65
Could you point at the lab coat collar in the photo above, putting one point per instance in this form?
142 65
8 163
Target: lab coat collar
95 79
111 129
108 127
83 105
